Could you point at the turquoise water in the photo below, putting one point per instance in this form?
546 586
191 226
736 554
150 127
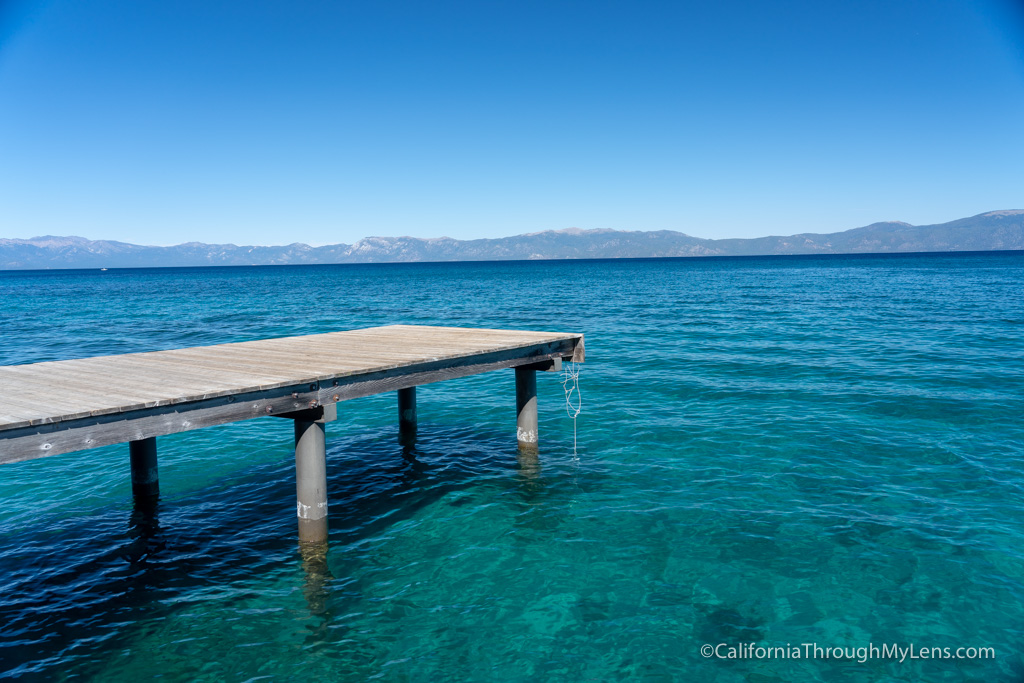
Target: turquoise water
774 451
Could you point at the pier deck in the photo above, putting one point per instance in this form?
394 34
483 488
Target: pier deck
63 406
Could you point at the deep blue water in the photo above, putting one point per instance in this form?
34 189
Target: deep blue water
776 451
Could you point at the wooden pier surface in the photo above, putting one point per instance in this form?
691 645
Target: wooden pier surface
62 406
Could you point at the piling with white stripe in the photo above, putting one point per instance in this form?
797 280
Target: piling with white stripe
311 480
526 409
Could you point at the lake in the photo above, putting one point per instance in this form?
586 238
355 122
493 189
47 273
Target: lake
777 451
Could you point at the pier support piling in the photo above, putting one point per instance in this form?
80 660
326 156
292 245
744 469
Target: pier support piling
526 409
145 479
407 416
311 480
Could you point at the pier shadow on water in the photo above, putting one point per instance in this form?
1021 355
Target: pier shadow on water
75 590
144 531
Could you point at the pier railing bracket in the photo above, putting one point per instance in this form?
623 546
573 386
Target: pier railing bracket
549 365
321 414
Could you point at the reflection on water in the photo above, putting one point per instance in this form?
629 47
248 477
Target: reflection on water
316 587
407 437
144 531
528 474
417 469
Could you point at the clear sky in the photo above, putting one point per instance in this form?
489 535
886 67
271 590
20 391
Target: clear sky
260 122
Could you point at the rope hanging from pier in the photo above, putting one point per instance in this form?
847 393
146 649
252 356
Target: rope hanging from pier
573 397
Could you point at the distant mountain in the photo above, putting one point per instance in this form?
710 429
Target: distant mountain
996 230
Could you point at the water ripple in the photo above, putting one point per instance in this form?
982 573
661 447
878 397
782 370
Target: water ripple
774 450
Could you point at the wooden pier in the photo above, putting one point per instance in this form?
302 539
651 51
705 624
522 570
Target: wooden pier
65 406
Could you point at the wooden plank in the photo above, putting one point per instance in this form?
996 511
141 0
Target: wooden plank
36 441
371 348
296 357
158 387
14 418
302 366
115 375
96 392
365 358
230 370
390 346
161 383
35 397
121 375
458 339
445 333
85 391
12 414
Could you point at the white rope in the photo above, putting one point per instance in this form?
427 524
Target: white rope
573 397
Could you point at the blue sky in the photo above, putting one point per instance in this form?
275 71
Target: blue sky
270 122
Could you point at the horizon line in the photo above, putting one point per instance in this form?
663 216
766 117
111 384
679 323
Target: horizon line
569 230
363 264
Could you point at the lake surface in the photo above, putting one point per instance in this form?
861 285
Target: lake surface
778 451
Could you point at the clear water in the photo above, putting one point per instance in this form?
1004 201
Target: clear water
772 450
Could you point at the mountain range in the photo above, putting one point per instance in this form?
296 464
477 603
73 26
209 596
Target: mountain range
995 230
